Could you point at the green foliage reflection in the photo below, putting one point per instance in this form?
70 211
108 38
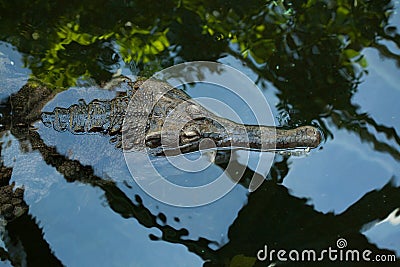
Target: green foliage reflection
64 41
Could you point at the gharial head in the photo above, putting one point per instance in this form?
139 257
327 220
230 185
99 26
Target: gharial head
191 127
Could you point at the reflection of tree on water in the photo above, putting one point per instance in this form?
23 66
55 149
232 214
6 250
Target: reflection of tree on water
310 51
274 218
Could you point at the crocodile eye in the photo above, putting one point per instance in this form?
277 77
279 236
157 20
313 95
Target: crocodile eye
188 136
190 133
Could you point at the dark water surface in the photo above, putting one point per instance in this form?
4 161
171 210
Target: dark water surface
333 64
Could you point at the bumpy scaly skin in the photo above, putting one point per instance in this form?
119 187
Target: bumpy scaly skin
155 116
103 116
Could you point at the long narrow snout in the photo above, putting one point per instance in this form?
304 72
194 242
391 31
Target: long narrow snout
269 138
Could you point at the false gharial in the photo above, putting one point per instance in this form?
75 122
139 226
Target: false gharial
155 117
